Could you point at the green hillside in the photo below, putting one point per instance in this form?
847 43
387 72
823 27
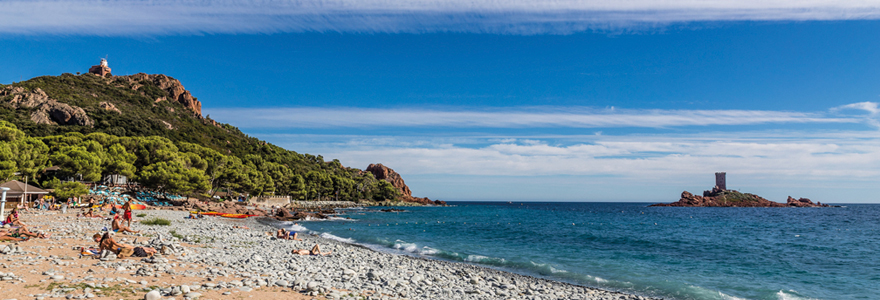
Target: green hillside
92 127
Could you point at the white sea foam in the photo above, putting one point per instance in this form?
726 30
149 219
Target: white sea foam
429 251
475 258
782 295
729 297
484 259
710 293
336 238
298 228
599 279
555 270
408 247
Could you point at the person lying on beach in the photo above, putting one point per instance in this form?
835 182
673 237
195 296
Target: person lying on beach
195 216
287 235
6 234
91 214
13 218
106 242
118 227
316 250
20 234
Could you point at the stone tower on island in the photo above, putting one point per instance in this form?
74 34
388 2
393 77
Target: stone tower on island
100 70
721 180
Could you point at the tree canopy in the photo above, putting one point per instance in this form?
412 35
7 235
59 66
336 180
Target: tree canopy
161 145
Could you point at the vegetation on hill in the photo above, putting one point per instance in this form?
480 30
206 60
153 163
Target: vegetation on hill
161 145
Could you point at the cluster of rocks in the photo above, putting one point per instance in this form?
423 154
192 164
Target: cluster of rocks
283 214
172 86
804 202
44 110
226 207
13 249
729 198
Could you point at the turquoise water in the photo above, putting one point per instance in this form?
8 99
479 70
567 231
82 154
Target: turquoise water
667 252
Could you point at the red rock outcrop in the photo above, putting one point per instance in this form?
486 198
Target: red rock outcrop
385 173
170 85
729 198
45 110
804 202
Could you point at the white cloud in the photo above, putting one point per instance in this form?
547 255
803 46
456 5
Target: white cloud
505 118
870 107
103 17
817 160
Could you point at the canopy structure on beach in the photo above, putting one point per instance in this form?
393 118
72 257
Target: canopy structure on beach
18 189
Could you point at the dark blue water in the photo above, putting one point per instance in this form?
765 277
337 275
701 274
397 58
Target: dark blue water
668 252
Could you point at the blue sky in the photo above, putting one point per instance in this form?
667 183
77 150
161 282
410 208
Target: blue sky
512 100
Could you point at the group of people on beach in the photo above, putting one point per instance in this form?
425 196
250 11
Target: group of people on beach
106 242
15 230
285 234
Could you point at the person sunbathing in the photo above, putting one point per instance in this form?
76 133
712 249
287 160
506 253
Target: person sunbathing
118 227
91 214
316 250
21 234
6 235
287 235
106 242
13 218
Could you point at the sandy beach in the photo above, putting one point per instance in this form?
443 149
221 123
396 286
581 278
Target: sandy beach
216 258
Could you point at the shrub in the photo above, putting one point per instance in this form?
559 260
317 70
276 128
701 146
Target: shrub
141 215
156 221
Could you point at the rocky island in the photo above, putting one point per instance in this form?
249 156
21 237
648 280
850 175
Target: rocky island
720 196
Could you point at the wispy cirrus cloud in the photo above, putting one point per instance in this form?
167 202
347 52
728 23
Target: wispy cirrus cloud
116 17
569 117
872 108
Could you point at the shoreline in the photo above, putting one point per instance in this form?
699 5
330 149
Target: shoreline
218 260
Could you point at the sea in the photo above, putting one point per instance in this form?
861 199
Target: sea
666 252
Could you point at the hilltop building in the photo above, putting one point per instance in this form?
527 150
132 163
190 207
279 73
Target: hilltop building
101 69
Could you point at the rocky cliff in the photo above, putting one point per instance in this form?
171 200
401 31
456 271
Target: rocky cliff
172 86
731 198
44 110
382 172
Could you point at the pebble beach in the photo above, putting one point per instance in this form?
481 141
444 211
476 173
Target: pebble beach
220 258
